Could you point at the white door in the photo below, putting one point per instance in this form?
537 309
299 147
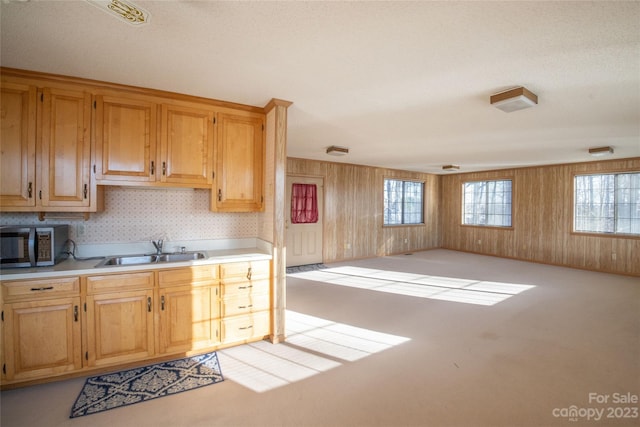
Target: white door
304 241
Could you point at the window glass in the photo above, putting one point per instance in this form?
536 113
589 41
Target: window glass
607 203
403 202
487 203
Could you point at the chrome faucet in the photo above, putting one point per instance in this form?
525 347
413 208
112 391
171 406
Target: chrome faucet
158 244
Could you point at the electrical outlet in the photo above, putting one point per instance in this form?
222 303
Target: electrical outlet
406 240
613 257
80 230
479 241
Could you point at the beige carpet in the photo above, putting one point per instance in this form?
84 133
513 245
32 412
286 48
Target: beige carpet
437 338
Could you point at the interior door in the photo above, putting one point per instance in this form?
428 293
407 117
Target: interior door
304 240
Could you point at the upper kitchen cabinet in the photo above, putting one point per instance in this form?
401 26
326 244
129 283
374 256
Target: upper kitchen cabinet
145 141
65 178
239 164
18 145
187 138
126 139
46 148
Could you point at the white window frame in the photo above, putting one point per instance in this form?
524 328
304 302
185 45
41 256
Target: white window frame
601 213
498 210
403 219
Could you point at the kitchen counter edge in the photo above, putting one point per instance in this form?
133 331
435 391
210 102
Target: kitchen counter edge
71 267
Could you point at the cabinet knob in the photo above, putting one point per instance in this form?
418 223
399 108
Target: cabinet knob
30 189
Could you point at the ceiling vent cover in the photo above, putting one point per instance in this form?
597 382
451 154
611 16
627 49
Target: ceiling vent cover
514 99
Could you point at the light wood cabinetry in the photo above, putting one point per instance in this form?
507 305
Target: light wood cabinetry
187 145
189 309
126 138
119 318
239 164
245 301
65 178
70 325
46 148
41 328
18 145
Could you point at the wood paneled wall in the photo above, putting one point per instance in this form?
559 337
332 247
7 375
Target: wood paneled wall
353 210
542 220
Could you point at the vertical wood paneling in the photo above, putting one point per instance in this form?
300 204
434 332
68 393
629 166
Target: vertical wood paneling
542 220
353 211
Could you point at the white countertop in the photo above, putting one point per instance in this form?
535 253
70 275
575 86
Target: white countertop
71 267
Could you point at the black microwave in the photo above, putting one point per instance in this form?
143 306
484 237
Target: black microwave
32 246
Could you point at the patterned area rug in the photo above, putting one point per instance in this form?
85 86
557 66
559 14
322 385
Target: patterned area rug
124 388
308 267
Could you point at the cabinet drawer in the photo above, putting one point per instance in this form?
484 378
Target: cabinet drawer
245 304
119 282
253 287
240 328
245 270
198 275
40 289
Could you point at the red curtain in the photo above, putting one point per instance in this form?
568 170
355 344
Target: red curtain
304 204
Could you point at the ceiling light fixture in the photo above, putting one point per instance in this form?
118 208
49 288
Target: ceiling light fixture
601 151
124 10
514 99
450 168
334 150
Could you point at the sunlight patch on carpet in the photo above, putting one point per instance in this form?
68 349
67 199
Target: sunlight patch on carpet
313 345
452 289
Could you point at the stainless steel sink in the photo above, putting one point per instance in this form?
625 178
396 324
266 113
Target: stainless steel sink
189 256
150 259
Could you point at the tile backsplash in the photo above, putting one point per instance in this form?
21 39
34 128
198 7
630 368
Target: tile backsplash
135 215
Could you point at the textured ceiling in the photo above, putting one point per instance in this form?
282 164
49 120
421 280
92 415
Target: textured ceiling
404 85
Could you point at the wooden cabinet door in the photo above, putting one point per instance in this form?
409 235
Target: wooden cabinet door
239 164
64 178
187 145
120 327
189 318
126 139
42 338
17 145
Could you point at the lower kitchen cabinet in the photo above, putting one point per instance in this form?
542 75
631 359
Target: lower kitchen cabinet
61 326
41 328
119 318
245 300
189 309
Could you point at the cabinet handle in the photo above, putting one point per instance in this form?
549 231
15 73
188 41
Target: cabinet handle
246 327
40 194
85 191
219 195
75 313
162 302
245 287
153 167
149 304
245 306
164 168
30 189
48 288
249 274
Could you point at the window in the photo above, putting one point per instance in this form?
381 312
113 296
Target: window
487 203
608 203
403 202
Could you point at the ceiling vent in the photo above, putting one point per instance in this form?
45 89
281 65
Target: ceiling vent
124 10
514 99
334 150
